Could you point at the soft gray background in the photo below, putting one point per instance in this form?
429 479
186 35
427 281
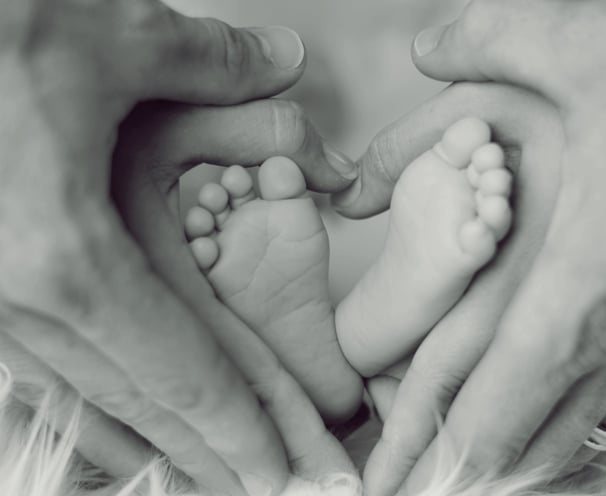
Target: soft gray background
359 79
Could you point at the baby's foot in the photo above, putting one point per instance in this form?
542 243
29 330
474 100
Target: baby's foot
267 259
449 210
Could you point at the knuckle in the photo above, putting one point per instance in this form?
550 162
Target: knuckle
130 405
231 51
289 126
384 151
442 384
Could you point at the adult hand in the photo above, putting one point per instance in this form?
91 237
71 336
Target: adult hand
79 297
533 393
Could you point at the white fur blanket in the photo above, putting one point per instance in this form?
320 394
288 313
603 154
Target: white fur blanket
34 462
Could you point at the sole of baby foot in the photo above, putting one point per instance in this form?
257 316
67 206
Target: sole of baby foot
449 210
267 259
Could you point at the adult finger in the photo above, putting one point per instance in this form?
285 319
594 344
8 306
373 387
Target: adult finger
555 346
558 443
399 144
491 41
122 453
546 327
311 450
119 396
383 387
111 300
439 368
247 134
167 55
452 349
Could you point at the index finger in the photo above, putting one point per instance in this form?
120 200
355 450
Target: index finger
543 347
168 357
397 145
161 54
311 450
167 139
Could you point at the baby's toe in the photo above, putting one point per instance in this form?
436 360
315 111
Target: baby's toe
478 240
496 213
281 179
214 198
205 251
496 182
238 183
199 222
461 140
487 157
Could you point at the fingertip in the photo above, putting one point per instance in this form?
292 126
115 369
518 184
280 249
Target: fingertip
281 46
239 64
380 477
369 195
428 40
439 53
426 52
383 390
343 201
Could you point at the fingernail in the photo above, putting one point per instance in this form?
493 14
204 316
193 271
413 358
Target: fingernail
428 40
343 166
348 197
256 485
6 380
281 45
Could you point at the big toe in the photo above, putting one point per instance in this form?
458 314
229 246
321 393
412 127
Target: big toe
461 140
281 179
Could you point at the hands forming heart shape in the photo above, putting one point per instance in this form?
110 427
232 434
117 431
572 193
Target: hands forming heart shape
101 296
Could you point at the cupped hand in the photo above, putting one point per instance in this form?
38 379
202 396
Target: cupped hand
82 304
531 393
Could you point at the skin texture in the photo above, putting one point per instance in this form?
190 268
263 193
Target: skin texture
266 256
528 368
438 237
97 309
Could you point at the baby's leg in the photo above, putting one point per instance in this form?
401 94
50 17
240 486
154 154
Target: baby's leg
449 210
267 259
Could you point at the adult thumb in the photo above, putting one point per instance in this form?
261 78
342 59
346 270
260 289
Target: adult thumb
442 53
